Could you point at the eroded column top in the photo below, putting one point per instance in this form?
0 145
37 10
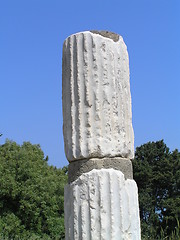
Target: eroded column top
107 34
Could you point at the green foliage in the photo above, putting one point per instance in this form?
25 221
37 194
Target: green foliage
31 194
175 234
157 173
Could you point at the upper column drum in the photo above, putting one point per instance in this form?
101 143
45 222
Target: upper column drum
97 116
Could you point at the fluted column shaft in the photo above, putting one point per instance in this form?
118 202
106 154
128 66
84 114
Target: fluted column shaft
96 97
101 198
102 205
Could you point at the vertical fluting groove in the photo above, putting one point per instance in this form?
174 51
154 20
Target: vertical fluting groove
131 194
81 93
127 96
96 94
105 206
114 227
85 211
102 119
130 133
72 95
67 205
134 215
120 204
110 205
100 203
116 207
125 209
94 89
75 213
128 212
89 210
128 105
108 200
104 84
88 90
71 219
112 74
76 111
119 96
67 128
124 84
80 223
87 86
78 220
108 92
125 80
121 90
67 212
88 44
97 208
94 208
115 120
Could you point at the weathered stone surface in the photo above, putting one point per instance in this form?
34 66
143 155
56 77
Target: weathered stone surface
103 205
77 168
107 34
97 118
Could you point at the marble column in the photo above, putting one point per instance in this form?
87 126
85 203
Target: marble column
101 198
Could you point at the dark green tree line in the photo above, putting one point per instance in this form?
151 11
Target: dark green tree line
31 194
157 173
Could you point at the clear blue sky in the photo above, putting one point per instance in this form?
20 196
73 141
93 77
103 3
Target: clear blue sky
31 38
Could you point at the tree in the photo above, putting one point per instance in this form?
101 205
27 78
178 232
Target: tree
157 174
31 194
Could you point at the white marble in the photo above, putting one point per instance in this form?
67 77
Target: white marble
101 204
97 117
